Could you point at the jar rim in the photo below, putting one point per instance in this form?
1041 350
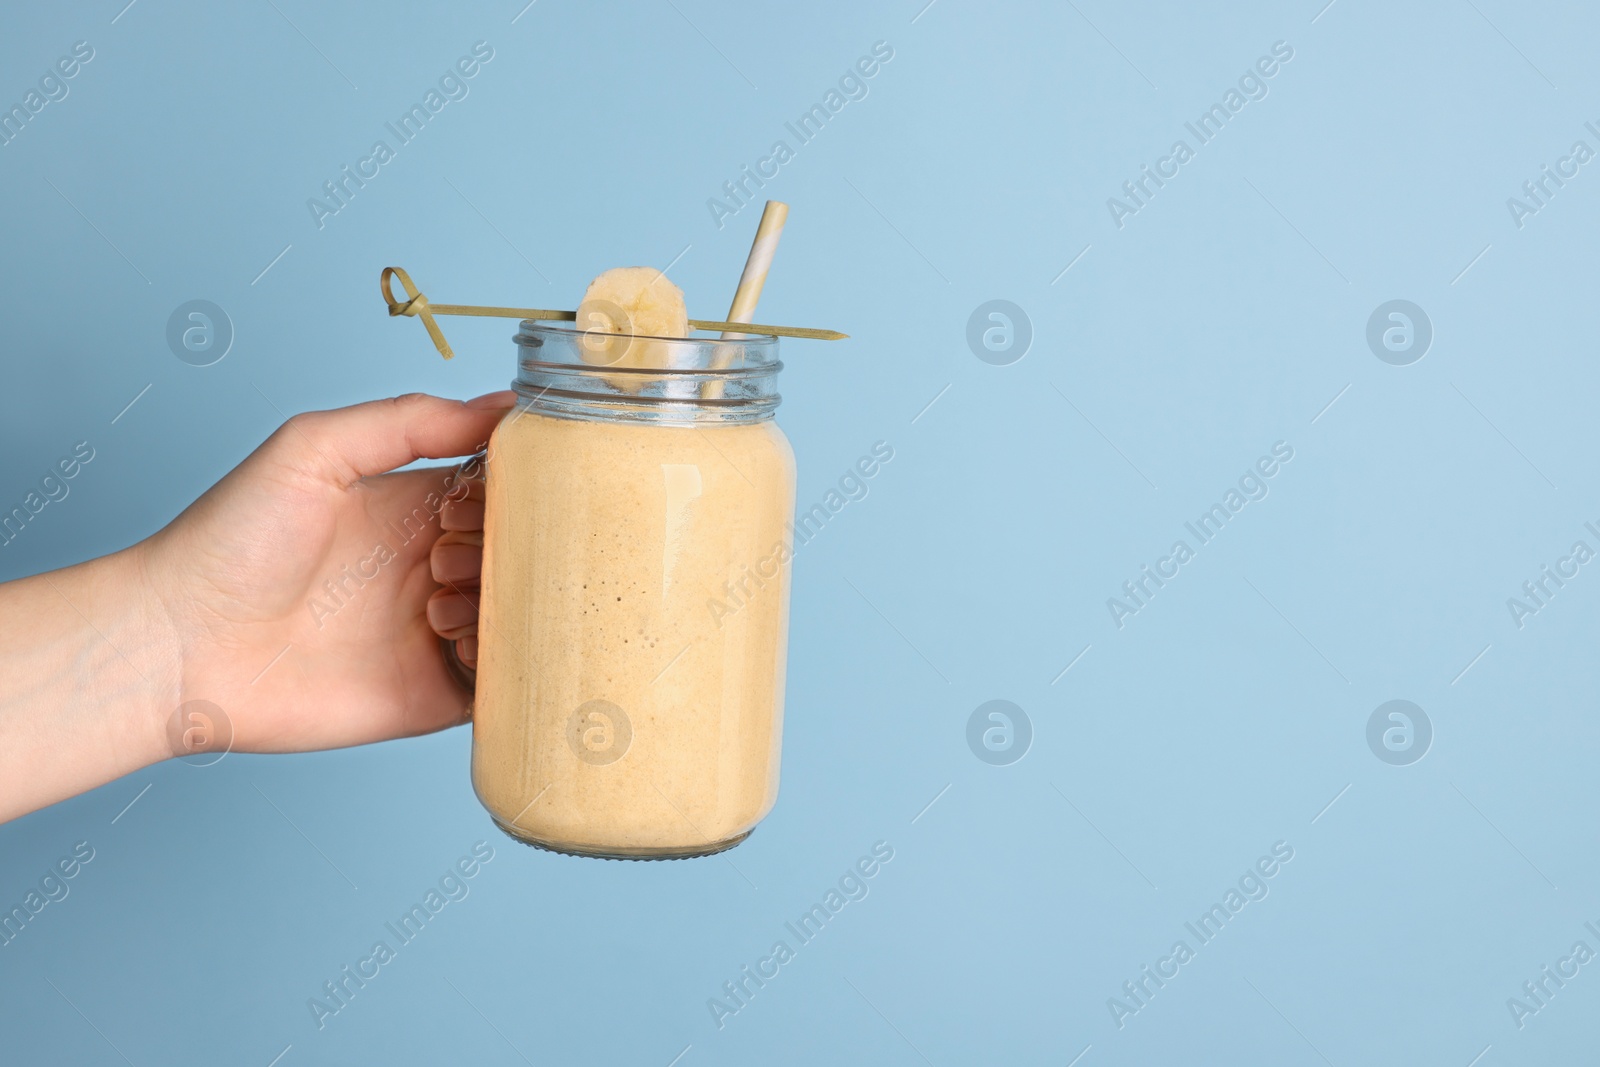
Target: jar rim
697 379
765 370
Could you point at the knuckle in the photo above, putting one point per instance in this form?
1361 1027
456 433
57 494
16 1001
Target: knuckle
411 402
297 430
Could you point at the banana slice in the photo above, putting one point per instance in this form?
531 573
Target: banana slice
623 305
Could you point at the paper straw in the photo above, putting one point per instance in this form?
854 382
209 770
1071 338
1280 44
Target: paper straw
759 262
756 265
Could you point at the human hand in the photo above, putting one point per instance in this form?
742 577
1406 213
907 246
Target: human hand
300 588
295 595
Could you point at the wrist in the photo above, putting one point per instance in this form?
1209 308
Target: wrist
146 640
87 674
123 676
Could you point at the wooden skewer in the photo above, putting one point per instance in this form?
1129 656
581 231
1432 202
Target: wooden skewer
548 315
420 307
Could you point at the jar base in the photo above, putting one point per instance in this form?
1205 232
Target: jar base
623 852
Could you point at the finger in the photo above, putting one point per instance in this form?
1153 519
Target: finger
369 439
464 511
467 651
457 559
452 614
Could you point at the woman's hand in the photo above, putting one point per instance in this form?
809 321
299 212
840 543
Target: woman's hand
303 596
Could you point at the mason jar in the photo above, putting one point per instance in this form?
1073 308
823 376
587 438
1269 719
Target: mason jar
634 616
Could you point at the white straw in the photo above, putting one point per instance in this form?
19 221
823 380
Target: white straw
756 265
759 262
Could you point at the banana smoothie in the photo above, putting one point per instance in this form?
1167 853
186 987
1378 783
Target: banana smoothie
635 593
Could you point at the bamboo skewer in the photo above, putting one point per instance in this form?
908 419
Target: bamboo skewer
421 307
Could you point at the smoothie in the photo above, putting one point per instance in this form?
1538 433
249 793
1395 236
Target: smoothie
632 632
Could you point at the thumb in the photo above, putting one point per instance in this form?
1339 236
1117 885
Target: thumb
368 439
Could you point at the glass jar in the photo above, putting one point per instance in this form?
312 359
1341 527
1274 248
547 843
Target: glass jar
633 627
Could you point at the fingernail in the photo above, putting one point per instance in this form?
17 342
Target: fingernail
504 398
449 613
456 563
462 515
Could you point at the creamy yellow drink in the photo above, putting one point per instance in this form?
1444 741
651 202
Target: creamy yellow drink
623 702
632 632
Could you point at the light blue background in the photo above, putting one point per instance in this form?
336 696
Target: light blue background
1225 316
